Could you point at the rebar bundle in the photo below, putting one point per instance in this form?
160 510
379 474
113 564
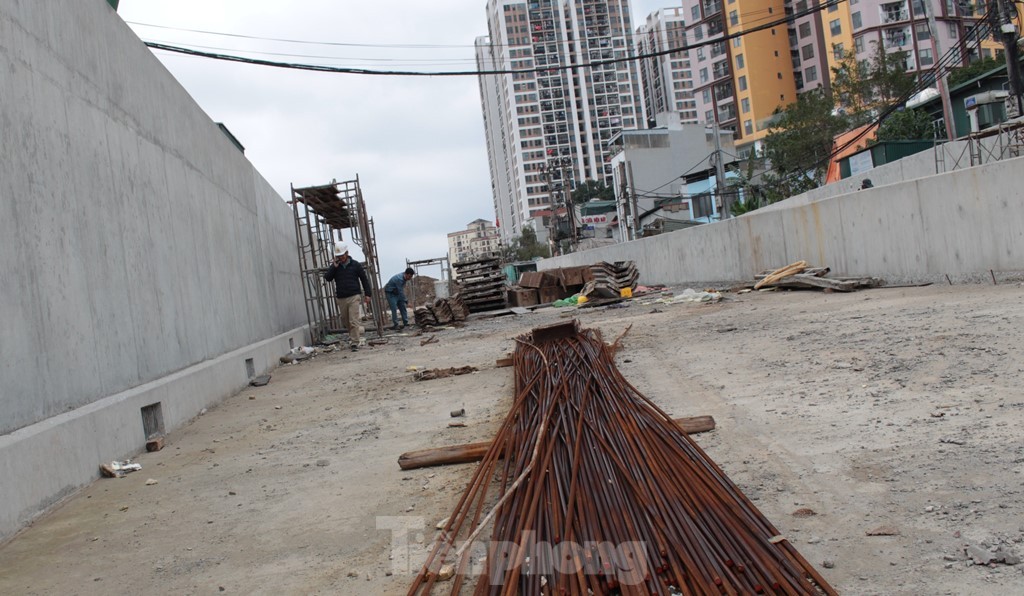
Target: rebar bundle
599 492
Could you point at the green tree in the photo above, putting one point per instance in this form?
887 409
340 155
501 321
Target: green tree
906 125
524 248
862 90
592 189
799 140
975 69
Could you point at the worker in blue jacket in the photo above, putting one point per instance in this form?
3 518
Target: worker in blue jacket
395 291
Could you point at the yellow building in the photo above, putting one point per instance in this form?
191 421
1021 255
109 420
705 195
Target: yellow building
763 72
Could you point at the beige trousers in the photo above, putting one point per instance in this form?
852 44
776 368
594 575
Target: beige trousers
349 309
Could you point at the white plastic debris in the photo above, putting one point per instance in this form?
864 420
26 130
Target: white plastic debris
117 469
691 295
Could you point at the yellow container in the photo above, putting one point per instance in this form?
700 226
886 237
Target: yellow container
626 292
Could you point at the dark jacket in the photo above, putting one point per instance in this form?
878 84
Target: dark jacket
347 278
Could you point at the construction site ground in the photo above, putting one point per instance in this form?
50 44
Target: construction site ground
879 431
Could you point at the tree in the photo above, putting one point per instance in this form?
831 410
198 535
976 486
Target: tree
799 140
906 125
592 189
863 90
975 69
524 247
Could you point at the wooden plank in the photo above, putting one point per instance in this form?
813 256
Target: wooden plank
781 273
471 452
810 281
815 271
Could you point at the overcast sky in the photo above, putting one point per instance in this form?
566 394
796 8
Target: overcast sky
416 143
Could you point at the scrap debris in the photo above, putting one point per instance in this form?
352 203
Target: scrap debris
118 469
300 353
799 276
440 373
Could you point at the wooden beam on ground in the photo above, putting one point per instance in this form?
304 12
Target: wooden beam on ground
470 452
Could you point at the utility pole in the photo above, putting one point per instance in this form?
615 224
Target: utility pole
634 206
720 172
940 77
552 219
1005 30
625 211
566 167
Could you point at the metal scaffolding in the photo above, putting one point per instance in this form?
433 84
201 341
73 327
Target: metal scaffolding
445 279
1004 141
321 213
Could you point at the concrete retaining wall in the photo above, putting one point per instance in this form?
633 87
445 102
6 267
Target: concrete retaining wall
144 259
961 223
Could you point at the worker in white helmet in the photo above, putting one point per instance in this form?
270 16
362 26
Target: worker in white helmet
347 275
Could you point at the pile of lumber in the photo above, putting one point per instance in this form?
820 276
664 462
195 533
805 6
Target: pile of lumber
800 276
609 279
481 284
442 312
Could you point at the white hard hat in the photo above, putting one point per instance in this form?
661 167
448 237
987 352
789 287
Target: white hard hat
340 248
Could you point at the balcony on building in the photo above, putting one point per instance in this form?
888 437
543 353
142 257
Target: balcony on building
711 7
893 12
896 38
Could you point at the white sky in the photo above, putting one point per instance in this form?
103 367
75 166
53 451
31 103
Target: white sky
416 143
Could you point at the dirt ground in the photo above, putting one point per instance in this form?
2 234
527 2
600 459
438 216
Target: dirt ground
895 411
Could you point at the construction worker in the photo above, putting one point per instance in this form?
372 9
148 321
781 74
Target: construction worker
395 292
347 275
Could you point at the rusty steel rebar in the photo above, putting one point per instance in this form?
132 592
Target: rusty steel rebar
589 488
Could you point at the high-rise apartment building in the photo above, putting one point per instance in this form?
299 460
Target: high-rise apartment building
666 78
543 119
478 241
811 39
740 82
903 26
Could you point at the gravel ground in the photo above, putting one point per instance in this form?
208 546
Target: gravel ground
878 430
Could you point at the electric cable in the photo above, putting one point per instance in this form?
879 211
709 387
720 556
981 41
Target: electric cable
542 69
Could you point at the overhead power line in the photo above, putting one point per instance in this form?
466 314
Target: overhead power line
947 59
548 68
306 41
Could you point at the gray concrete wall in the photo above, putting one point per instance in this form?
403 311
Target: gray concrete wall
961 223
139 248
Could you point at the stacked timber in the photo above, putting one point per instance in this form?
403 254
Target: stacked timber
482 284
609 279
443 311
800 276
